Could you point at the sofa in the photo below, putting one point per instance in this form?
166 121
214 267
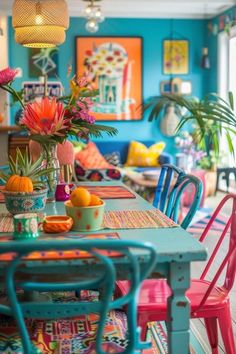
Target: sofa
101 171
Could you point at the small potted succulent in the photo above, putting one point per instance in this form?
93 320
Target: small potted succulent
25 185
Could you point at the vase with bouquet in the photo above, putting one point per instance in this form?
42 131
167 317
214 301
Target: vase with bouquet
50 121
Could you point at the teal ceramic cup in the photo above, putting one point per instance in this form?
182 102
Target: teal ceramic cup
85 218
25 226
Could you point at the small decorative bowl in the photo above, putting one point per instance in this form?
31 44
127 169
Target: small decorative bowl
57 223
25 202
86 218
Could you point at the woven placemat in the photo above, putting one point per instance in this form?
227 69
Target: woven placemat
110 192
6 222
137 219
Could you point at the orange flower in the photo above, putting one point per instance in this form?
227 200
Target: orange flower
45 117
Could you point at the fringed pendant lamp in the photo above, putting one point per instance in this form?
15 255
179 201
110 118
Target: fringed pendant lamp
40 23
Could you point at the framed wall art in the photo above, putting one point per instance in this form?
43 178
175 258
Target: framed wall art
175 56
43 61
114 66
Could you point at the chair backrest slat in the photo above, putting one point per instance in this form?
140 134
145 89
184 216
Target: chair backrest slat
172 184
228 261
103 277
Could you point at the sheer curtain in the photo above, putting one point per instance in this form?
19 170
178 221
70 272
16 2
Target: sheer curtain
227 82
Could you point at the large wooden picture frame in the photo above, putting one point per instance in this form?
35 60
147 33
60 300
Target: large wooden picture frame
114 66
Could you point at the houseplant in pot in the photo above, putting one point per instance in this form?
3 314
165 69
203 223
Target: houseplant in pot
212 116
25 190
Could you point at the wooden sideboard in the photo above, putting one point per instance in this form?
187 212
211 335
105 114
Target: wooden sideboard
9 135
20 141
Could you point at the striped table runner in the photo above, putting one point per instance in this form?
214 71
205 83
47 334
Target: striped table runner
110 192
137 219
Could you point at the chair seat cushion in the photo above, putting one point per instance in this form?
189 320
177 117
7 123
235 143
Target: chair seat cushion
154 293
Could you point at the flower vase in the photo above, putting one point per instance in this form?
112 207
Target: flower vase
51 161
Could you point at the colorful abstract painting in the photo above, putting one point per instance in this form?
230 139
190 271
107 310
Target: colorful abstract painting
114 66
175 56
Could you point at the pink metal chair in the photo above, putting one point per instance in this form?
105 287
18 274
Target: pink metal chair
208 299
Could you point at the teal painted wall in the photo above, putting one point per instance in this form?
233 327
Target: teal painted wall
153 32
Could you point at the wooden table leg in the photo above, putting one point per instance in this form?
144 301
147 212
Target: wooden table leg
178 309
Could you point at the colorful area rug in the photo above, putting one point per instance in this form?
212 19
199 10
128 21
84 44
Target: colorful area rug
136 219
77 335
217 227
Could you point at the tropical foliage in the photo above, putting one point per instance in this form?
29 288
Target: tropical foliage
213 116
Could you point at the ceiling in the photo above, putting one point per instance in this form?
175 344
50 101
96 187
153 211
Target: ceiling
147 8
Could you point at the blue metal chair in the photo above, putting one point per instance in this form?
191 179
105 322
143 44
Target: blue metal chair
102 276
172 184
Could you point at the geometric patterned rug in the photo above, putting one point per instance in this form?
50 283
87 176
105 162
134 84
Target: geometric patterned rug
217 227
77 335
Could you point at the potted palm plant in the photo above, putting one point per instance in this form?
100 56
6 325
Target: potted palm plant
212 116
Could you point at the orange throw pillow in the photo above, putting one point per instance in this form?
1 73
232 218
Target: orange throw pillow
90 157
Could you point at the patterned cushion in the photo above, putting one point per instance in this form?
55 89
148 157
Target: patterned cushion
113 158
90 157
140 155
96 174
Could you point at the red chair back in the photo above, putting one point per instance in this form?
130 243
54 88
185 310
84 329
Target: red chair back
229 261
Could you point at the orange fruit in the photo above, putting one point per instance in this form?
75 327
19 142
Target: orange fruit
80 197
95 200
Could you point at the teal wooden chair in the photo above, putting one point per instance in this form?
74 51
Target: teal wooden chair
171 186
103 276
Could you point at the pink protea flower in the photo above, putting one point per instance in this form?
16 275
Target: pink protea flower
45 117
7 75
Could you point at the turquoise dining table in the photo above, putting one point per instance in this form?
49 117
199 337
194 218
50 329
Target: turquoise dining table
175 248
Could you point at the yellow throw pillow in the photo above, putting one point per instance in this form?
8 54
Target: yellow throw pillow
142 156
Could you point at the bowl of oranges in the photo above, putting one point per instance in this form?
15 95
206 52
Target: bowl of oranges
85 209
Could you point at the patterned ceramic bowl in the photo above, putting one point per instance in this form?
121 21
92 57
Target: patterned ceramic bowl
23 202
85 218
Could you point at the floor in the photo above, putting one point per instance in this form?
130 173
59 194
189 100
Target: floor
212 202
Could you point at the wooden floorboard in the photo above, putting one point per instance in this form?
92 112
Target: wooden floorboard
196 269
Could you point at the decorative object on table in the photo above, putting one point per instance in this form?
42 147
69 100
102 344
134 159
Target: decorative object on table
175 56
85 209
25 226
40 24
52 121
43 61
63 191
66 157
114 66
25 191
57 224
93 15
